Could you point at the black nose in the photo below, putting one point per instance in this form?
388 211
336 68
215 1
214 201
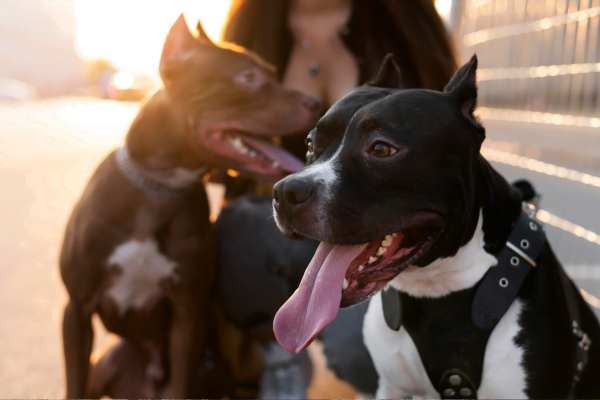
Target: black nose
288 194
313 104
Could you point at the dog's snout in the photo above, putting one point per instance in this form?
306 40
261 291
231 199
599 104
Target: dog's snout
296 192
289 194
312 103
277 194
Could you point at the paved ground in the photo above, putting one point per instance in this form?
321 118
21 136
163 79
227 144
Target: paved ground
48 149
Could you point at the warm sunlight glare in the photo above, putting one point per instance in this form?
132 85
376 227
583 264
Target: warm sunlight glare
444 7
130 33
123 80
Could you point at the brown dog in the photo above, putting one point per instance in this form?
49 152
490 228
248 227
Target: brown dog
139 249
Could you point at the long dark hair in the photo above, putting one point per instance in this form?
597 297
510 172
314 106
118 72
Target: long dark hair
410 29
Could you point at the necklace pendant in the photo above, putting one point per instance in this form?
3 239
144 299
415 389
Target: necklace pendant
313 69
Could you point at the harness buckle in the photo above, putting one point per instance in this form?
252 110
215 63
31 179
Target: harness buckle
584 341
531 210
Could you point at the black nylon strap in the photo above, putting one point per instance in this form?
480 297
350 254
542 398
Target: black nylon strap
501 283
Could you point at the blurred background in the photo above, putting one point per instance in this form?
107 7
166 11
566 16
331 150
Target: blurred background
72 74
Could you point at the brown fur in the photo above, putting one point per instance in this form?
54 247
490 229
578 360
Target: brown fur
169 345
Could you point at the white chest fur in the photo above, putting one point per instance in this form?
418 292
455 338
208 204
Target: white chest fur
142 267
401 371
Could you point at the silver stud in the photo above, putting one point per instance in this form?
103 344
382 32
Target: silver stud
449 392
580 366
533 226
514 261
454 380
503 282
465 392
524 244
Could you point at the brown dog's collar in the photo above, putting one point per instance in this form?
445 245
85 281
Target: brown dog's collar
134 176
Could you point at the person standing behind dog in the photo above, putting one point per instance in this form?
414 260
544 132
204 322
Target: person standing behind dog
324 49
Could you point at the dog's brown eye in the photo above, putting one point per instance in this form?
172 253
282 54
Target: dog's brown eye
382 150
249 77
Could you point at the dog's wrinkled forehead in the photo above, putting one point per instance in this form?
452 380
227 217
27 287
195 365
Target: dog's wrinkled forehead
332 126
418 115
406 113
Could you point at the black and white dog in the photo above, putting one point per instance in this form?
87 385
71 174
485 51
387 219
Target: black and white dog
476 303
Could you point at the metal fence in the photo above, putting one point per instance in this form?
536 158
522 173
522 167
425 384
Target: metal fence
539 59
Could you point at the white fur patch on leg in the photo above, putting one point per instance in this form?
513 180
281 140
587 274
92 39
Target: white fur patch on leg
396 358
503 373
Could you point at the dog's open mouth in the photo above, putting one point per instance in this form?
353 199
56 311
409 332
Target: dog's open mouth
340 275
381 261
254 155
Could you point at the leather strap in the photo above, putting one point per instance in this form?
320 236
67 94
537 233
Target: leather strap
392 308
493 297
502 282
581 338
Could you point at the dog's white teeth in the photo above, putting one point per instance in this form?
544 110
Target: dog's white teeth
275 164
381 251
345 284
389 238
386 242
372 260
361 267
238 144
394 234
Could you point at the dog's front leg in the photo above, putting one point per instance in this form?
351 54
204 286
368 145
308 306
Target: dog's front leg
78 336
387 391
185 338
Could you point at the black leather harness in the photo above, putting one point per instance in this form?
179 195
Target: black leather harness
491 300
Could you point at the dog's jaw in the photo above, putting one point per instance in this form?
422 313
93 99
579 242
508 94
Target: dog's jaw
383 260
233 144
343 275
451 274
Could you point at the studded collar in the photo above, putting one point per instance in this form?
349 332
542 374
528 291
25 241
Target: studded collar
132 173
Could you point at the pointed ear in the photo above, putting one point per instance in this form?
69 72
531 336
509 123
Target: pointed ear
389 74
463 88
202 36
179 40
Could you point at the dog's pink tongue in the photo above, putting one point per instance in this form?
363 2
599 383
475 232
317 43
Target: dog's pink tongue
286 160
317 301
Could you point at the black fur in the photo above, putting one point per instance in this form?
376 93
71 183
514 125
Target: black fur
437 169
